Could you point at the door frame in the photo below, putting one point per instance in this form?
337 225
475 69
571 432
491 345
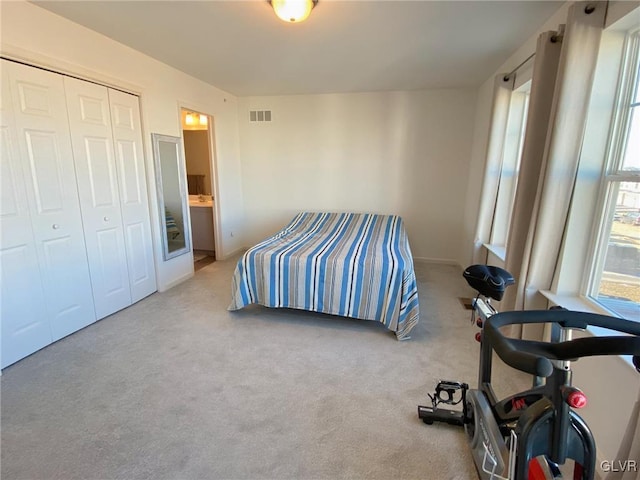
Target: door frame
213 171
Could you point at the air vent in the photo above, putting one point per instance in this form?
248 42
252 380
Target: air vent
260 115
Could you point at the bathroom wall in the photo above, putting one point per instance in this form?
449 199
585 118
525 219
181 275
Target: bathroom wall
196 151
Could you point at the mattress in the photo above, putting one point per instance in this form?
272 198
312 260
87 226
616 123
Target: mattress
354 265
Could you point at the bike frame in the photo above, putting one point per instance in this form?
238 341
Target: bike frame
549 418
532 434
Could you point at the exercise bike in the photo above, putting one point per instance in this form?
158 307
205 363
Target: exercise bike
535 434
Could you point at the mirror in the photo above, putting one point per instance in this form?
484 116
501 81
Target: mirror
172 195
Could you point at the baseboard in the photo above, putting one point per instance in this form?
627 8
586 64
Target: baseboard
441 261
175 282
233 253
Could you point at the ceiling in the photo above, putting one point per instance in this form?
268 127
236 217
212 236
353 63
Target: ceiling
345 46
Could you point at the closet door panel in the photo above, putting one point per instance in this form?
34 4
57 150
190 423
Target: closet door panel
45 167
25 328
90 120
44 147
62 280
127 134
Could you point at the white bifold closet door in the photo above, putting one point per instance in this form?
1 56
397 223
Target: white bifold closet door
75 233
36 100
92 141
134 203
22 306
105 135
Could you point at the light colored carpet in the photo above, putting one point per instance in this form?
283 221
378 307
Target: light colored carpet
177 387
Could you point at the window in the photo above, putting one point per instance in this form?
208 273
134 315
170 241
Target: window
615 278
512 152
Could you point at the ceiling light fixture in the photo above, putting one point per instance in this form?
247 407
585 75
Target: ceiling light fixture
193 120
293 11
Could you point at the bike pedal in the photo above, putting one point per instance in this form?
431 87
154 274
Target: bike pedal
430 415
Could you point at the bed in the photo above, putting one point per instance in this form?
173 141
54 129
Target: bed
354 265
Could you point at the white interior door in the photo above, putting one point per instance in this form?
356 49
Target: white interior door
25 327
44 147
127 135
92 140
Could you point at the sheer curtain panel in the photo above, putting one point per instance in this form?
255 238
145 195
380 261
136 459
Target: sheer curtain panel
560 158
502 90
545 70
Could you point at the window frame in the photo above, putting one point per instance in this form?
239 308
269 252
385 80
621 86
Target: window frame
511 157
510 165
613 175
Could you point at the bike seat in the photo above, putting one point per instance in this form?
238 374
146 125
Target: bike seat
488 280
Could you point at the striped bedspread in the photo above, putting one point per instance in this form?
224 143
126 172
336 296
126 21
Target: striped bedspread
347 264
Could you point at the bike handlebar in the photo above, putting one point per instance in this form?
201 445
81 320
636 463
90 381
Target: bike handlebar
535 357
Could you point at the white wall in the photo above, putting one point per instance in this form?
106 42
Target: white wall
612 387
405 153
37 36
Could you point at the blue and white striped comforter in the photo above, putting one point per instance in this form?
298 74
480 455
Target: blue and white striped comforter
348 264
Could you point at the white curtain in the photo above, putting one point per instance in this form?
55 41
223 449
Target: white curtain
545 70
502 90
559 161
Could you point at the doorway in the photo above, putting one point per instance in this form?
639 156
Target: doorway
196 133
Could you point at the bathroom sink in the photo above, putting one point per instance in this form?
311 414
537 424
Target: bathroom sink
200 201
